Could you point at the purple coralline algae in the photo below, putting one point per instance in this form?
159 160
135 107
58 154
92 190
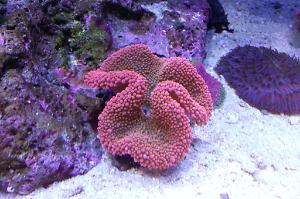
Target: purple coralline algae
43 137
47 118
265 78
169 28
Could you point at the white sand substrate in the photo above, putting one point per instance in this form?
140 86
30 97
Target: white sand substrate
241 153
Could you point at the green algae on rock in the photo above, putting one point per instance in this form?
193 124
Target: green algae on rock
88 44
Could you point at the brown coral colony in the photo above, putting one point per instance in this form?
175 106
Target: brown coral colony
170 88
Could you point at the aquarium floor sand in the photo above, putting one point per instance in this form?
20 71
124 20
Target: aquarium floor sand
241 153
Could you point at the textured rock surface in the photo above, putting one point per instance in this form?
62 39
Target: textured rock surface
44 135
47 130
169 28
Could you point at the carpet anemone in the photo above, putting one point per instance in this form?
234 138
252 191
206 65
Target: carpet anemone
157 99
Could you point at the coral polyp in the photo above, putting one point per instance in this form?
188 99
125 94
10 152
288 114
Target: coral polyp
264 78
174 93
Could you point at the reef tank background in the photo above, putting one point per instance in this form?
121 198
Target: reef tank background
244 142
